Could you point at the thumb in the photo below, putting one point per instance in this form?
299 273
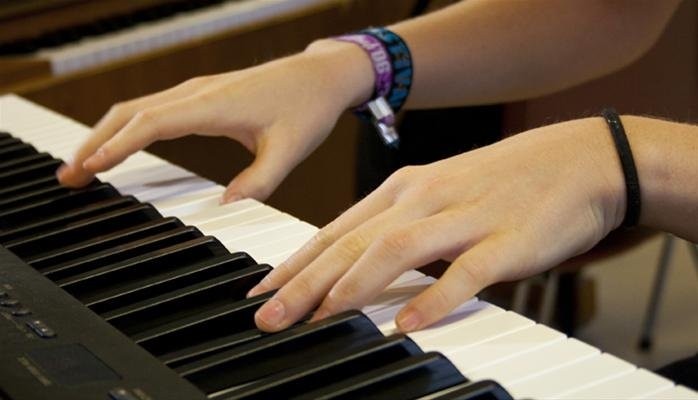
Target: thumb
271 165
471 272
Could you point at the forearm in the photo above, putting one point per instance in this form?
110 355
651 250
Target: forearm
665 155
489 51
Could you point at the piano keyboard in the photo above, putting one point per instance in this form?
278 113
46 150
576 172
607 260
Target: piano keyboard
93 51
483 341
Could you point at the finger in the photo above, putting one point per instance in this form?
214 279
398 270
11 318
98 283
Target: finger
166 121
471 272
370 206
72 173
302 293
408 246
273 162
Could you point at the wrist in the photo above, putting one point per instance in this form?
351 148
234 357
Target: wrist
608 191
344 68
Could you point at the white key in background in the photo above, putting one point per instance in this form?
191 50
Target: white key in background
638 384
557 383
398 294
536 363
266 250
675 393
184 186
505 347
480 331
190 203
215 212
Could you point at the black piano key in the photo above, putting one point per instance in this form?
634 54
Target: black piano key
126 293
309 376
8 165
65 219
29 172
107 279
29 186
4 134
229 319
9 141
275 353
16 150
73 199
181 356
33 196
74 271
481 390
92 235
405 379
186 301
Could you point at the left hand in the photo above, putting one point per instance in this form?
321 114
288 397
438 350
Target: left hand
503 212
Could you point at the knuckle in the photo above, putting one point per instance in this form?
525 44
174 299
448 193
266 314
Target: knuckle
148 118
475 271
350 247
196 82
120 109
399 177
396 242
322 239
301 284
440 299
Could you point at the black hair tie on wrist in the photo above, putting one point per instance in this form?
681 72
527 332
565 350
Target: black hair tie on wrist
632 184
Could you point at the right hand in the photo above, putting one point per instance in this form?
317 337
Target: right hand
280 111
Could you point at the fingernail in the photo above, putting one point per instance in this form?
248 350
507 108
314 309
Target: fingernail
62 171
272 313
255 291
409 321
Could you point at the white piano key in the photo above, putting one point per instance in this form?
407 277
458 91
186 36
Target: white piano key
261 226
148 177
128 172
466 313
505 347
272 237
407 276
291 243
638 384
218 211
675 393
180 28
529 365
219 226
191 202
398 294
477 332
183 186
571 378
277 259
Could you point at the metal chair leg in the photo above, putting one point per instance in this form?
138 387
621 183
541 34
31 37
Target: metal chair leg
653 306
547 307
694 251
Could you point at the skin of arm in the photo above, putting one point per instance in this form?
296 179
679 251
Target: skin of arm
550 193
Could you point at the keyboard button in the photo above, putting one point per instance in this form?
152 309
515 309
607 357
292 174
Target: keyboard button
41 329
